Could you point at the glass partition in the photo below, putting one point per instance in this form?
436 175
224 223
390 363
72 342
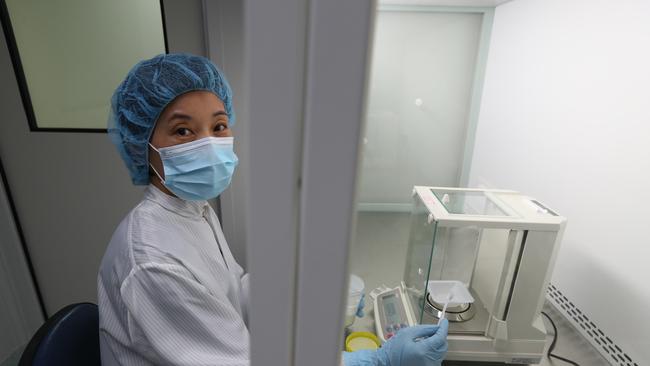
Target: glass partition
70 55
420 97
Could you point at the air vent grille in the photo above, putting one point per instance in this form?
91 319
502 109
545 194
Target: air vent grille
598 338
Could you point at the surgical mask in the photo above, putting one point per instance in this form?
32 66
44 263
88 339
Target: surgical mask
198 170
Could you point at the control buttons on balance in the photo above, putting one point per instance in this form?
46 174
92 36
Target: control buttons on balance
393 329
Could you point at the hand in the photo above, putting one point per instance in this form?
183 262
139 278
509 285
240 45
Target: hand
420 345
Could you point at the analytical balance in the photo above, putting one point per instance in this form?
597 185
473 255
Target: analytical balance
487 254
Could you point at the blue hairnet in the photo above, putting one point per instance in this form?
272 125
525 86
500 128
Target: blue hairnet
147 89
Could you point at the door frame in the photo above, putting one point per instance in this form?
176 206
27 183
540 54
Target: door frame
21 303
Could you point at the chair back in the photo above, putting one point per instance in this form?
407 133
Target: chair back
70 337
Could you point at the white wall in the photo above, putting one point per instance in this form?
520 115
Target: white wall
565 118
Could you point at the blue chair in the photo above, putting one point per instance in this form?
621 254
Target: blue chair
69 338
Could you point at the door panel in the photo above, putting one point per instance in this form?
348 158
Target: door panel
71 189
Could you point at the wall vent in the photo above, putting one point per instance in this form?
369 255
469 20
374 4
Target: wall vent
595 335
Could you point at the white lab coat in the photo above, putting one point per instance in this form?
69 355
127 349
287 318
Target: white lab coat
170 291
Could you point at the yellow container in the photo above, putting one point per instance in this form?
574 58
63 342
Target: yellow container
357 341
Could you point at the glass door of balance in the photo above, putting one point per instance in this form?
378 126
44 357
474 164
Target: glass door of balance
463 267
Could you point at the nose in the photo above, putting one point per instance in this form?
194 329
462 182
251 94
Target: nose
204 132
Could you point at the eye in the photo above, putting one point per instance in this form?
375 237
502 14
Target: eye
220 127
182 131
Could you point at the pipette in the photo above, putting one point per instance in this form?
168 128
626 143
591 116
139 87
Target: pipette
442 315
444 308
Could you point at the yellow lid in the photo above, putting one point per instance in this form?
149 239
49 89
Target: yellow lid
357 341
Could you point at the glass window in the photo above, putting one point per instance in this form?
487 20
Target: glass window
70 55
422 74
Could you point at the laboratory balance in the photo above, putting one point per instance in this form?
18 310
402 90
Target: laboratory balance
481 259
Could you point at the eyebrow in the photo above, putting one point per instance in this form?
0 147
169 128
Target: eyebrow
179 115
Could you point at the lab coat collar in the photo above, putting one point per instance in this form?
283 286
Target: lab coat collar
175 204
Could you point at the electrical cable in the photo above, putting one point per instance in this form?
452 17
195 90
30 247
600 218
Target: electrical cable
550 353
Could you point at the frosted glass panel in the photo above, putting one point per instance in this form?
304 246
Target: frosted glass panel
419 101
74 53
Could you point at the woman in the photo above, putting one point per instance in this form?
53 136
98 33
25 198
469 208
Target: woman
170 291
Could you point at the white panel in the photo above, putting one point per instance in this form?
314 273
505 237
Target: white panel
274 71
334 110
419 101
70 189
565 118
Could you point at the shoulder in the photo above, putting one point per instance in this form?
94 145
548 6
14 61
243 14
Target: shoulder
155 233
139 238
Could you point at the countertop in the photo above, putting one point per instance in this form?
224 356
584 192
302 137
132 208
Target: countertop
570 343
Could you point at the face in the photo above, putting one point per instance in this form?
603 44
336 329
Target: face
191 116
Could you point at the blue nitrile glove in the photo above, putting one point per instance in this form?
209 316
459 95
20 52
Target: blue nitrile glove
421 345
362 304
